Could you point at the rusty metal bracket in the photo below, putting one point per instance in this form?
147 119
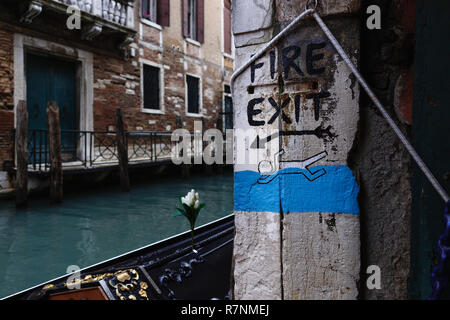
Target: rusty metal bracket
309 5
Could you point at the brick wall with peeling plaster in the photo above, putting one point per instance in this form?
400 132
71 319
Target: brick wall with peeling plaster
378 160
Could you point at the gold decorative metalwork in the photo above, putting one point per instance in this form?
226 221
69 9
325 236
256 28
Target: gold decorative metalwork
143 294
136 274
90 278
121 286
144 285
118 294
124 276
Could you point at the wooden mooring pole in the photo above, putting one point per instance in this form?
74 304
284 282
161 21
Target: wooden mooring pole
54 142
22 154
122 150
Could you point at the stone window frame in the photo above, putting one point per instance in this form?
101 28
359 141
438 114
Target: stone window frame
148 21
200 96
161 110
194 42
192 20
85 77
224 95
153 4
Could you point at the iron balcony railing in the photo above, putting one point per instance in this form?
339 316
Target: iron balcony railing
95 148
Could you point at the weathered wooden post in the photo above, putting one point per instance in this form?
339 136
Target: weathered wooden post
122 151
22 154
296 116
54 142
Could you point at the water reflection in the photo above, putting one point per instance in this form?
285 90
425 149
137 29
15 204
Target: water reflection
39 243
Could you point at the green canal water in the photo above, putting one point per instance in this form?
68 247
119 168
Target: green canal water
39 243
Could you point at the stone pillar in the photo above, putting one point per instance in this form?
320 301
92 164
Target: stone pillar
296 115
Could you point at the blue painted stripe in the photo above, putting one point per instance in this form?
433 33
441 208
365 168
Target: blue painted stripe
335 192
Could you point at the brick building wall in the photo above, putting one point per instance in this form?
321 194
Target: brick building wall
6 137
6 70
112 78
117 80
6 97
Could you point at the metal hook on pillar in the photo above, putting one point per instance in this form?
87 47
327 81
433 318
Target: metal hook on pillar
311 4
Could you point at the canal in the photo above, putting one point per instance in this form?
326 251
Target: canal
39 243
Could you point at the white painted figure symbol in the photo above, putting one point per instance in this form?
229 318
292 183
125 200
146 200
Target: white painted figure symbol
267 169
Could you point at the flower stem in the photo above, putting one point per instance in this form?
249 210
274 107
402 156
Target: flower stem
192 238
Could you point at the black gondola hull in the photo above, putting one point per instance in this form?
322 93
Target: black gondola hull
168 269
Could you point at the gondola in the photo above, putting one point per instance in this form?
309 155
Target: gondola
166 270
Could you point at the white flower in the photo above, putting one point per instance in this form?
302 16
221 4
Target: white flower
190 199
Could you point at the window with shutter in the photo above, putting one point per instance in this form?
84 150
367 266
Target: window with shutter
193 19
185 18
151 88
156 11
228 107
227 27
149 10
164 13
228 101
193 94
200 19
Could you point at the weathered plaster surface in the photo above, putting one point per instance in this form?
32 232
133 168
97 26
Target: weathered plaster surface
321 250
317 253
382 163
253 15
254 28
340 110
289 10
257 266
320 256
385 202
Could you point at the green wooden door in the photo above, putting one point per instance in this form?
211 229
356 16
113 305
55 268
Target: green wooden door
430 135
51 79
